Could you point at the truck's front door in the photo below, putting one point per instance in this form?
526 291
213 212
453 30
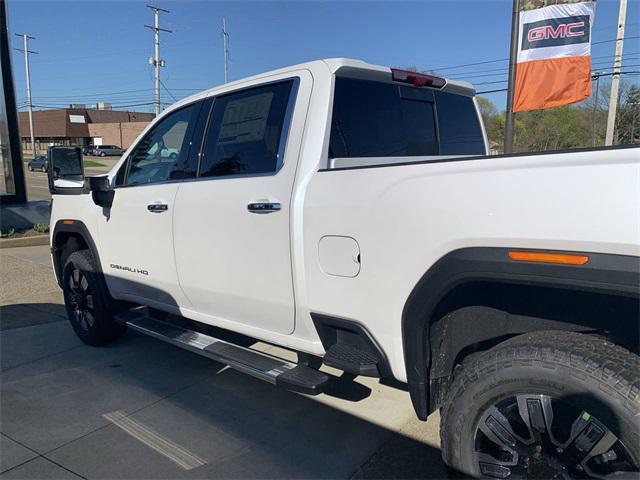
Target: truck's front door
231 227
136 233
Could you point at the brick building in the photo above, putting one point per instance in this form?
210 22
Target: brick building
81 126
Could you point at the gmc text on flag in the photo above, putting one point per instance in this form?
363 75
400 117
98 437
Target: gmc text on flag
554 56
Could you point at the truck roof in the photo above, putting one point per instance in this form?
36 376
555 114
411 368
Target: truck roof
336 64
341 66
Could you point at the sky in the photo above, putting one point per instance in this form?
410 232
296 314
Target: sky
92 51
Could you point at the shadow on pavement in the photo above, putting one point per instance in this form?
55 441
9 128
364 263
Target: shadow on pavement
30 314
62 405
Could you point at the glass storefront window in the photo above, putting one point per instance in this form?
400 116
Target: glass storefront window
12 180
7 185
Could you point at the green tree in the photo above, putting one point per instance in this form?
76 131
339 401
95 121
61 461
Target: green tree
552 129
628 118
493 123
567 127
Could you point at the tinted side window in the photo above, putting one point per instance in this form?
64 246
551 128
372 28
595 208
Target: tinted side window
460 131
162 154
375 119
244 131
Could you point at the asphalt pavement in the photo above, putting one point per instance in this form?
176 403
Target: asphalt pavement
140 408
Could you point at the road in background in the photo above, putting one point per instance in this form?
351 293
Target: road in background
37 183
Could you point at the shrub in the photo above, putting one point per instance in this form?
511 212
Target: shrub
41 227
9 231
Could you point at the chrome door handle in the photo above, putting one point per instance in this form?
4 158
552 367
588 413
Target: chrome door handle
263 207
157 207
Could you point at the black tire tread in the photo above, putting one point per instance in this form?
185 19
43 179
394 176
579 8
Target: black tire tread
614 370
107 329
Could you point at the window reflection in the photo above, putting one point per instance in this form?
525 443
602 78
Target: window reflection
7 185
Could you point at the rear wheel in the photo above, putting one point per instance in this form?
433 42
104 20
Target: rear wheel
545 405
89 306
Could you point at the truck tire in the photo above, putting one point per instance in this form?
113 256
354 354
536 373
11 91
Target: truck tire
545 405
88 303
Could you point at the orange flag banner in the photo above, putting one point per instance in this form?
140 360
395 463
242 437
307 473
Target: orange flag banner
554 56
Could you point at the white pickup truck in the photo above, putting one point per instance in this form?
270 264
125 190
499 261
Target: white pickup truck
350 213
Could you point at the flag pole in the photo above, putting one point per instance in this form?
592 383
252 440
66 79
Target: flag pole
509 125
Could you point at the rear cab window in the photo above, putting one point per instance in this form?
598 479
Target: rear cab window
379 119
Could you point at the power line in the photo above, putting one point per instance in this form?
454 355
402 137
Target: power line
450 67
615 40
632 73
98 94
464 75
167 90
115 106
503 71
492 91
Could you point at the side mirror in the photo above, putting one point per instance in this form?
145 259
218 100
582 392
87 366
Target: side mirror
65 170
101 191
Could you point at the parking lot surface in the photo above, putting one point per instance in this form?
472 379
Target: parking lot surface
140 408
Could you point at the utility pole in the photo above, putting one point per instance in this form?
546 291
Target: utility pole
509 126
225 38
157 62
596 76
615 81
26 52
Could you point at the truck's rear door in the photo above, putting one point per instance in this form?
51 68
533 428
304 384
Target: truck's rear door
231 227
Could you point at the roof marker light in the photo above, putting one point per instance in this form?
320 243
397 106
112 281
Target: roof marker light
417 79
68 222
547 257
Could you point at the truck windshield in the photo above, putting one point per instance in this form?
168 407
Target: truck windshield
376 119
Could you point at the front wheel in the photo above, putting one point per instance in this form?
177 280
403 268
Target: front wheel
88 303
102 154
545 405
30 168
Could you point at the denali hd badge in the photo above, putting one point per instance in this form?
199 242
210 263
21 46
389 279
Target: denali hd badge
130 269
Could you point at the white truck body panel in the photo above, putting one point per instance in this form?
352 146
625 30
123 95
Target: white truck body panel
403 218
247 265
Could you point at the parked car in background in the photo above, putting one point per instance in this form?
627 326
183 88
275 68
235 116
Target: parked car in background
104 150
88 150
38 163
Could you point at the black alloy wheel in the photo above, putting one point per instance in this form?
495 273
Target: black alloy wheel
539 436
547 404
89 306
81 300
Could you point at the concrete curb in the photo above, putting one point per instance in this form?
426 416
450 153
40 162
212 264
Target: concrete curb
24 241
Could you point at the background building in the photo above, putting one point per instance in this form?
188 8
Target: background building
81 126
